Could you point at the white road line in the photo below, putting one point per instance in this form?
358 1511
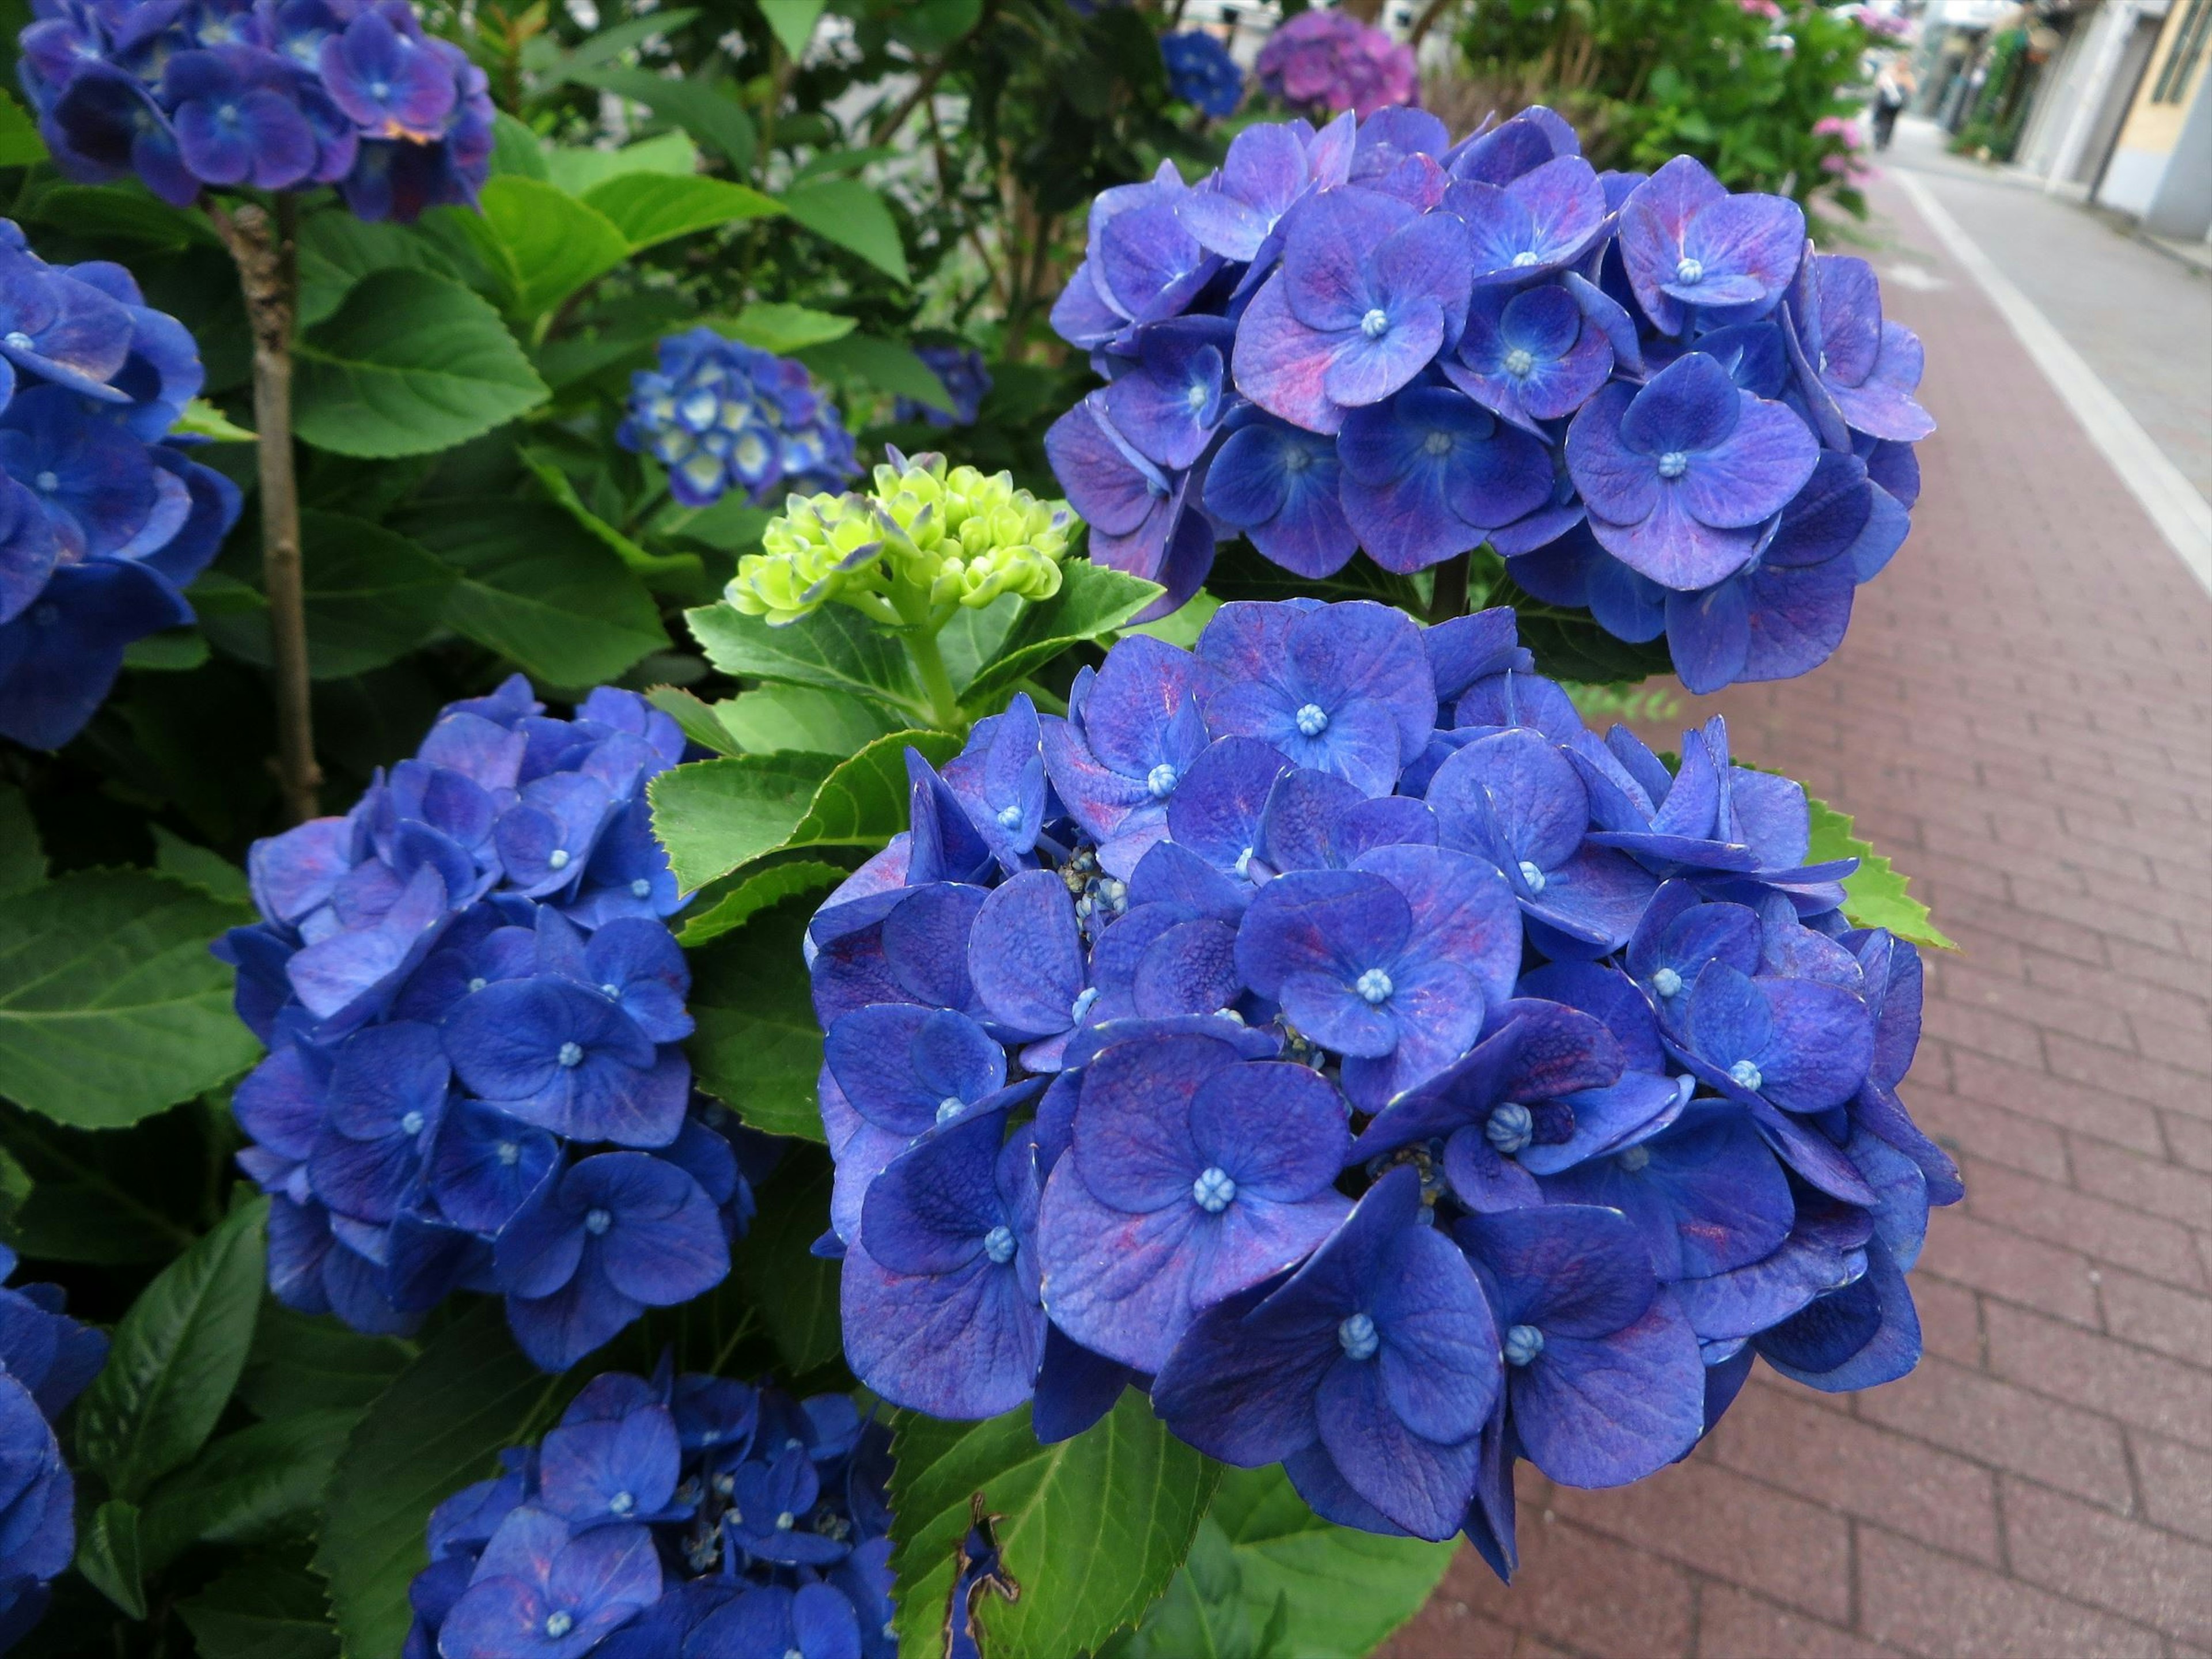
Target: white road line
2183 516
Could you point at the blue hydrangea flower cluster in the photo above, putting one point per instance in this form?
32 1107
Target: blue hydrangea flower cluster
719 414
966 381
46 1360
1325 1030
473 1008
1202 72
266 94
104 518
1650 396
687 1515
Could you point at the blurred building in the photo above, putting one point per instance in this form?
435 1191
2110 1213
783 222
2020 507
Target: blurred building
2160 168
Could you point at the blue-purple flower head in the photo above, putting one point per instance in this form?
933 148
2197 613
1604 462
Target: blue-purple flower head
669 1515
1646 395
46 1360
349 92
1321 1029
473 1005
104 518
1200 72
720 414
967 382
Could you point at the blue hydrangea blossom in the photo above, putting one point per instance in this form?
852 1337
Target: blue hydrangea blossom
473 1005
46 1360
1396 1078
1642 393
720 414
1200 72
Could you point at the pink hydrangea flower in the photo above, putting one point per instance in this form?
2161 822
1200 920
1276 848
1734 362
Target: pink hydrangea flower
1328 60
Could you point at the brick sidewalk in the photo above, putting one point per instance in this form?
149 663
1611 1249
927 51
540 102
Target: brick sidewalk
2022 716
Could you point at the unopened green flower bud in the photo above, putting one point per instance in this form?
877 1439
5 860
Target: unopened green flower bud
806 556
967 536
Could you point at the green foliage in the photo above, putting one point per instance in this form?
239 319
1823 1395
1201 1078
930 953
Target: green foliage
1090 1529
758 1047
107 1555
795 1290
373 596
268 1607
715 815
1877 895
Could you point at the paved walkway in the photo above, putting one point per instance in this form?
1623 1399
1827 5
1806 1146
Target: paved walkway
2022 715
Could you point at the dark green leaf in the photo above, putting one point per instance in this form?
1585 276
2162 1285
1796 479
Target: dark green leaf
610 43
775 717
515 149
338 249
733 525
125 210
1093 600
577 168
172 651
311 1363
714 815
437 1428
775 325
649 208
849 213
175 1358
268 1607
796 1292
110 1006
1203 1615
245 1488
757 1047
863 803
537 588
20 143
707 113
22 861
882 365
541 243
1090 1529
372 598
755 894
836 649
1877 895
212 873
107 1555
930 25
680 569
1182 626
794 22
410 363
699 722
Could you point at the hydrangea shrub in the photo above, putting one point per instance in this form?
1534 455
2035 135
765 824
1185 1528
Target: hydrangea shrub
1324 1029
1322 60
1651 396
46 1360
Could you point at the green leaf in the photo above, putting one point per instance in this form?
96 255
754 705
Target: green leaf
410 363
836 649
864 803
610 43
437 1428
1877 895
755 894
577 168
796 1291
854 216
175 1358
793 21
802 717
245 1488
1346 1590
541 243
22 861
539 590
1090 1529
863 359
202 419
372 597
268 1607
172 651
731 525
648 208
111 1007
107 1555
1182 626
707 113
124 210
212 873
680 569
1204 1614
338 249
698 720
303 1363
515 149
714 815
20 143
1093 601
757 1047
778 326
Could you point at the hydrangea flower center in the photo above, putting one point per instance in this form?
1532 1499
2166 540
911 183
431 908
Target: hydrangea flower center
1689 272
557 858
1375 324
1244 863
785 1521
17 340
571 1054
411 1124
1437 443
49 482
1357 1338
1313 720
1745 1073
596 1222
1297 460
640 888
1195 397
1520 361
478 982
611 993
999 1245
1523 1343
1531 876
1160 782
1374 986
1511 1128
1215 1190
1010 817
1667 982
509 1152
1674 464
1634 1158
950 1106
559 1622
1525 258
1081 1005
621 1504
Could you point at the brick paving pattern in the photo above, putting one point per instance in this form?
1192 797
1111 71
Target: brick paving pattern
2022 717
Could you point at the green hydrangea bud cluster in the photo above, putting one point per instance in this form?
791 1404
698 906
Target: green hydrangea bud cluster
820 544
928 532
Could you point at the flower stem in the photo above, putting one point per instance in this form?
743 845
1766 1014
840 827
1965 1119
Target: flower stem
1448 598
269 279
921 636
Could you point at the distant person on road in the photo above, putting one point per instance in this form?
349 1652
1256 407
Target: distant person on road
1893 88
